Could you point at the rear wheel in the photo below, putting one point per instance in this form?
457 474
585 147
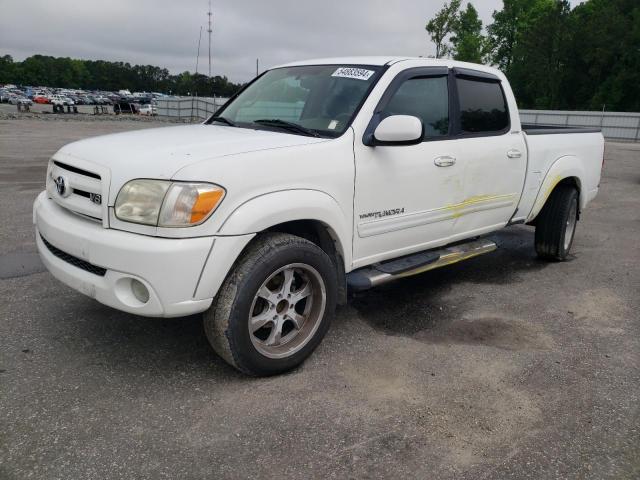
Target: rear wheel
556 224
275 306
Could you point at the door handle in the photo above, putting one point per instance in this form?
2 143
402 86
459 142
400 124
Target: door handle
514 153
444 161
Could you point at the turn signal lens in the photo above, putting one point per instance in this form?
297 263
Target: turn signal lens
205 204
187 204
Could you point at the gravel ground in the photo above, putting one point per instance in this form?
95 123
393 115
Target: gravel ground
499 367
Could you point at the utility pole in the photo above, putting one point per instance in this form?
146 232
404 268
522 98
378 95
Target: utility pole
198 52
195 77
210 30
257 66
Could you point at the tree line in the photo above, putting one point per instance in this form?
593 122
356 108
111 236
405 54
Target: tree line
555 57
46 71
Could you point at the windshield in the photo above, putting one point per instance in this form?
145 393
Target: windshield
322 99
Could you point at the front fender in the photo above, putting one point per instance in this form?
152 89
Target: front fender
264 211
564 167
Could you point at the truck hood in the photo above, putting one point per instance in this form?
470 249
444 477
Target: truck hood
161 152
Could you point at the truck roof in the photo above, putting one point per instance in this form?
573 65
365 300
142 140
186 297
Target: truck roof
389 60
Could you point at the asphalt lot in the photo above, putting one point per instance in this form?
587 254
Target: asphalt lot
499 367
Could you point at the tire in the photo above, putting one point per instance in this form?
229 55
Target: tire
556 224
258 292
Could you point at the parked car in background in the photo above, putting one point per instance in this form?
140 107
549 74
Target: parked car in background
60 100
18 99
40 96
148 109
101 100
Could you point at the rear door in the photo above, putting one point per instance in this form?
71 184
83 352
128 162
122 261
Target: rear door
489 150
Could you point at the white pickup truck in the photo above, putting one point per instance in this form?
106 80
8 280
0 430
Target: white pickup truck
318 177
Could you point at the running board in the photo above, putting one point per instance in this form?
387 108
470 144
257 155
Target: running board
379 273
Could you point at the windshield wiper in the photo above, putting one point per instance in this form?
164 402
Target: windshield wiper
223 120
292 127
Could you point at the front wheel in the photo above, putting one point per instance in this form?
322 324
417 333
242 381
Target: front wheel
275 306
556 224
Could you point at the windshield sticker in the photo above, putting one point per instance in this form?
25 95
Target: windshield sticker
332 124
357 73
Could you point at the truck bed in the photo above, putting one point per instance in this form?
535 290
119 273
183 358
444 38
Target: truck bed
542 154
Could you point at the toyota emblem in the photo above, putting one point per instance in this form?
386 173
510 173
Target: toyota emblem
61 186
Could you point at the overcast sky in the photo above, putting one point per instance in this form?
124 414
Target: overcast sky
165 32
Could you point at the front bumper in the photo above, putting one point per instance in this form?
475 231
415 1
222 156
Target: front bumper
180 275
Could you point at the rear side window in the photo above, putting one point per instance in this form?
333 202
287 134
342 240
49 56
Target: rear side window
426 98
483 107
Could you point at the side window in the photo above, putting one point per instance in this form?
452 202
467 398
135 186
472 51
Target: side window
483 107
426 98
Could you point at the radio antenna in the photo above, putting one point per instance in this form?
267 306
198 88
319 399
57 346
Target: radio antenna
209 31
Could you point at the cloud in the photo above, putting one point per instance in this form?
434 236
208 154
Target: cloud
165 32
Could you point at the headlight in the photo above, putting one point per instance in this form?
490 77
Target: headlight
167 204
139 201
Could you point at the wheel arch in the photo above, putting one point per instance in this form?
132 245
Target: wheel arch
291 210
324 237
310 214
567 170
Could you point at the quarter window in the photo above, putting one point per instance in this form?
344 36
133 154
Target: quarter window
483 107
426 98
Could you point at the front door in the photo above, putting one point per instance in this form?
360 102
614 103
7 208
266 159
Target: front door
403 194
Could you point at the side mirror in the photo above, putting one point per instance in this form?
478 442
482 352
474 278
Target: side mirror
399 130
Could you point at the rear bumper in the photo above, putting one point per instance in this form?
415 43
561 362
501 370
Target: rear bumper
180 275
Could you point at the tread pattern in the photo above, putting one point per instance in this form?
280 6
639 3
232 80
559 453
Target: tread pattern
551 222
217 318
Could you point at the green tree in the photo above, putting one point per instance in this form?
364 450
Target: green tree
467 40
603 59
537 69
7 69
558 58
441 26
509 26
41 70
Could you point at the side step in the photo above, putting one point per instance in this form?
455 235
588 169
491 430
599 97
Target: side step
379 273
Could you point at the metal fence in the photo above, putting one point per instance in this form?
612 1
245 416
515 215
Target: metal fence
616 126
189 108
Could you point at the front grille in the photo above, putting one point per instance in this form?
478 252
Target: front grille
77 170
82 193
75 261
85 187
